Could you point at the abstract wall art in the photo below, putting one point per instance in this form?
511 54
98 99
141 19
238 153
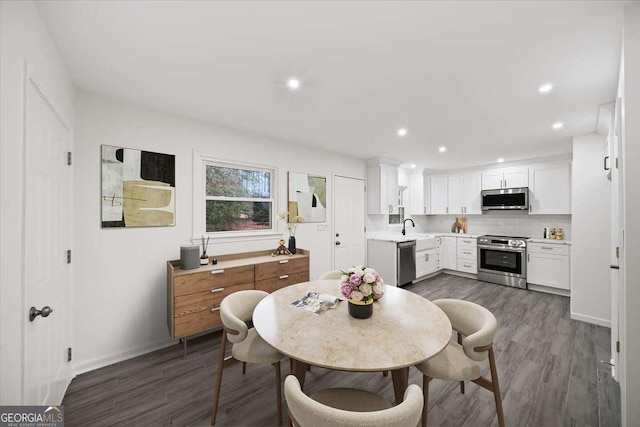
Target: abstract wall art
307 198
138 188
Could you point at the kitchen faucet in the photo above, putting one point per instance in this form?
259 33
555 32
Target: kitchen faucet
405 223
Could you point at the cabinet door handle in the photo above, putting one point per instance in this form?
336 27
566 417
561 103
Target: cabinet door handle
500 183
215 291
528 257
284 261
505 183
529 208
466 265
605 163
447 209
390 208
426 257
284 276
615 267
425 209
213 310
217 271
546 247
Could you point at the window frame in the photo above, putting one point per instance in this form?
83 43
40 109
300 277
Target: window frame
200 162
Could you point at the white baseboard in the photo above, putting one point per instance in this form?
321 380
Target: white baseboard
591 319
461 274
102 361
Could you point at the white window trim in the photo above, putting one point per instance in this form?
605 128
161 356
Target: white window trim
200 160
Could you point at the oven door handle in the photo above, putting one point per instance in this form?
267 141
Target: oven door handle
502 249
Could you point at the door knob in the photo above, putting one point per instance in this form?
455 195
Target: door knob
337 242
45 312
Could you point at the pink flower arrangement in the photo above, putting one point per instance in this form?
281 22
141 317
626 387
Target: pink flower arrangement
361 285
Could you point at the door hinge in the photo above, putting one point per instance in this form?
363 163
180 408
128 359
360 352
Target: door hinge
617 251
617 346
69 158
69 354
617 163
69 256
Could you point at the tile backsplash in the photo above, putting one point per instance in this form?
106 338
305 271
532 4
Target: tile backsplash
513 223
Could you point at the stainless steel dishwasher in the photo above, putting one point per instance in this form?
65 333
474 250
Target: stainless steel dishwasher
406 262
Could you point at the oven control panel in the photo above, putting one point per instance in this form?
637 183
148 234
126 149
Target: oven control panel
502 241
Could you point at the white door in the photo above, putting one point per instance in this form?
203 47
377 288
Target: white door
46 241
349 212
450 259
492 179
617 219
455 193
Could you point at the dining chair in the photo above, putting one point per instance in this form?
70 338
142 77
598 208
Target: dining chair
236 311
348 407
330 275
476 328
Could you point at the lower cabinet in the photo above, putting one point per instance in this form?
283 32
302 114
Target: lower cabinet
548 265
426 262
194 296
450 255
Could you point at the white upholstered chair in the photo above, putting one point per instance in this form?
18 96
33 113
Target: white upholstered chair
476 327
329 275
350 407
236 310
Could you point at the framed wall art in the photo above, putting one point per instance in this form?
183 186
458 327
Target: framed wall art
138 188
307 197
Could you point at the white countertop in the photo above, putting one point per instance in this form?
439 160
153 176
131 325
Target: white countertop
398 237
550 241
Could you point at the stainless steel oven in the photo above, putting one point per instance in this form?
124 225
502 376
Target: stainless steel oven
503 260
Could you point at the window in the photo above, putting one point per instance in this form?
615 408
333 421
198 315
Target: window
238 198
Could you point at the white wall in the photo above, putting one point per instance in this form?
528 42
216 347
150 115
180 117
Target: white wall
631 176
23 37
590 251
120 274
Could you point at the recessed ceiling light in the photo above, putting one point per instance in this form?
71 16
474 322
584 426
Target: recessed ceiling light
545 88
500 160
413 165
557 125
402 132
293 83
442 149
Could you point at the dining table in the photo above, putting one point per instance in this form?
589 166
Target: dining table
404 330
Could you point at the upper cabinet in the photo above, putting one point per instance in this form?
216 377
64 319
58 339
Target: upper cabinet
382 186
464 194
550 188
419 201
505 178
439 194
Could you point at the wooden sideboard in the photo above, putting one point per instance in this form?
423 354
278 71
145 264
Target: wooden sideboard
194 296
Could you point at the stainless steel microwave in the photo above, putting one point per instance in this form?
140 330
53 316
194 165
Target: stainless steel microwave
505 199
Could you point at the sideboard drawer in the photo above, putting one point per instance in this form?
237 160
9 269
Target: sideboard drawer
202 301
214 279
197 322
275 283
281 267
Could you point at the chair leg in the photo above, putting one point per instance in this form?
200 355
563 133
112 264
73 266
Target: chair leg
425 392
244 368
385 373
461 382
496 387
278 391
216 393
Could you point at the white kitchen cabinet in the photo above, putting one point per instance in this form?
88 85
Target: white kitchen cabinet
426 262
439 194
450 255
382 188
467 255
550 188
464 194
417 193
548 265
505 178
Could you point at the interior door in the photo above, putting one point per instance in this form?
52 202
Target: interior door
46 241
617 214
349 211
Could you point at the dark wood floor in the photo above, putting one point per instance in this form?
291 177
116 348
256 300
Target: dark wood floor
549 371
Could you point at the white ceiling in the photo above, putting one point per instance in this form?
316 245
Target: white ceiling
460 74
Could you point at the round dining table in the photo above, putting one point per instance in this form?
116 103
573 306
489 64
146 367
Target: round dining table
404 330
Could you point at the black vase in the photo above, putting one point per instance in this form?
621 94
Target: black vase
360 311
292 244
